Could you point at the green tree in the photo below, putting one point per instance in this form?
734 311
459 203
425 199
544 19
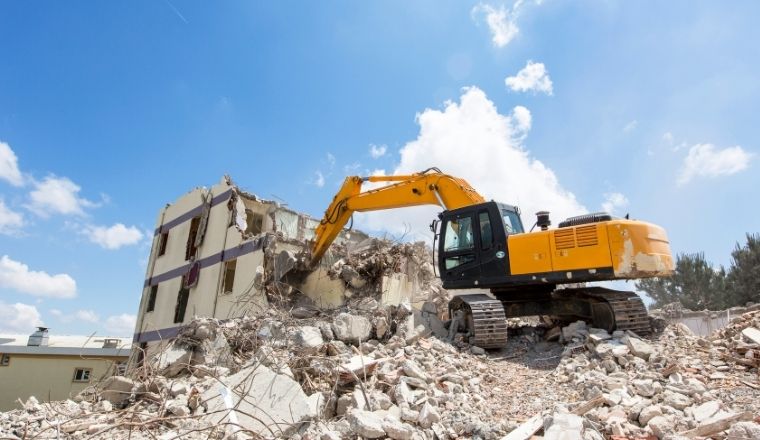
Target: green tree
744 273
694 283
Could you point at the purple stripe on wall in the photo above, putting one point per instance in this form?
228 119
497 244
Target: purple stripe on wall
192 213
245 248
156 335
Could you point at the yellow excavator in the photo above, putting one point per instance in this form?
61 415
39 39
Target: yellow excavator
483 244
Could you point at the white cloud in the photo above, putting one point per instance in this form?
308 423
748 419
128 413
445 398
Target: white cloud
522 120
331 159
10 221
668 137
472 140
80 315
532 77
377 151
501 22
121 325
113 237
629 127
57 195
614 201
19 318
704 160
319 179
17 276
87 316
9 166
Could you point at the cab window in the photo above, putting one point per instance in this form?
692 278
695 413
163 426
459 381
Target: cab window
458 235
512 224
486 236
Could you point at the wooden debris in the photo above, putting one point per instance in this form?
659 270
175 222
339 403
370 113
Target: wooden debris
527 429
717 426
588 406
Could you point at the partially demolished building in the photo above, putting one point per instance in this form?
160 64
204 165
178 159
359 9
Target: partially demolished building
222 253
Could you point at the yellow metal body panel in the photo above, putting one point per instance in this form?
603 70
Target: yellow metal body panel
529 253
633 249
580 247
639 249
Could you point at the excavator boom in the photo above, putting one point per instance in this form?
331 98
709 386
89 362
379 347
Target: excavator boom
429 187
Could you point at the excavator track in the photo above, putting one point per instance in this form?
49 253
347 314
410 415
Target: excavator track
624 310
483 319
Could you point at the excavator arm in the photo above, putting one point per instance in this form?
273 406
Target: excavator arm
429 187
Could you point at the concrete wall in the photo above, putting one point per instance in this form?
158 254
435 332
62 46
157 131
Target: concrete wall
48 377
706 322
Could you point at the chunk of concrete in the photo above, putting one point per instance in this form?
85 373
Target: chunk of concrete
660 426
285 262
396 429
412 369
705 410
428 416
565 426
649 413
676 400
639 348
381 326
351 328
174 360
259 400
308 337
365 423
644 387
742 430
117 389
752 334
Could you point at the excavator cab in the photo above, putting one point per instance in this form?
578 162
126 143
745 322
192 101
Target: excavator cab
472 251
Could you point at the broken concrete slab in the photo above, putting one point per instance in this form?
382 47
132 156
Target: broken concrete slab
259 400
117 389
752 334
565 426
174 360
705 410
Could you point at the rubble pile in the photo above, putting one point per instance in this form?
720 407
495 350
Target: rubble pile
278 376
350 375
374 368
676 386
741 340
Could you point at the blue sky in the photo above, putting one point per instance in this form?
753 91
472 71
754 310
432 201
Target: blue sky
109 110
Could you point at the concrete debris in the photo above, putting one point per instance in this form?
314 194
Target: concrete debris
372 369
365 423
352 329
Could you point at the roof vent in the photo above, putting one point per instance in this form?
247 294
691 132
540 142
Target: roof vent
111 343
39 338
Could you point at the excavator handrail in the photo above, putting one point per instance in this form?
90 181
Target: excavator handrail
428 187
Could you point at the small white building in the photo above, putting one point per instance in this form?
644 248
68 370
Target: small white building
56 367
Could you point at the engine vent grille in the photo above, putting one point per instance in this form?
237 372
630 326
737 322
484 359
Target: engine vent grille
564 238
587 236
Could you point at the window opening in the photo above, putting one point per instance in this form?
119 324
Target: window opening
152 298
179 311
229 276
